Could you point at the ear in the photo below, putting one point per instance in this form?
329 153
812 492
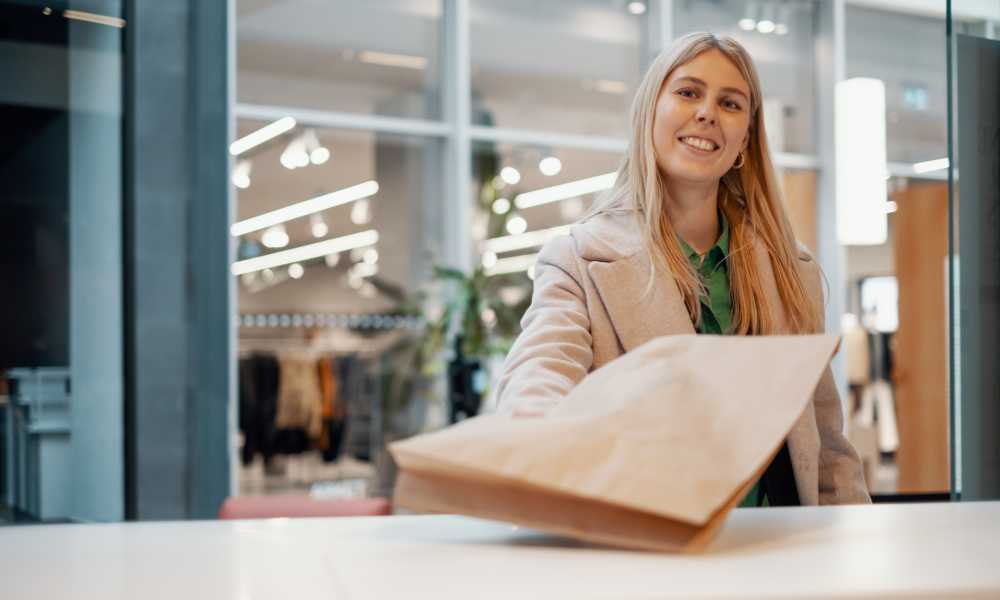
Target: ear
746 142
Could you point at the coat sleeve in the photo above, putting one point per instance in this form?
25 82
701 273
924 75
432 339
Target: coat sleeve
554 350
841 476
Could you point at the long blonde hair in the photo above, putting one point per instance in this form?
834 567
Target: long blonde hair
749 198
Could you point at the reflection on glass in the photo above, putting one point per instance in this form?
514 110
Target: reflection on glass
513 220
372 201
568 67
373 57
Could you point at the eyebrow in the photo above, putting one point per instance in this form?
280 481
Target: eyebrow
731 90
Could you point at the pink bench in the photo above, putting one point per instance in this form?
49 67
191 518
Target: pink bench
268 507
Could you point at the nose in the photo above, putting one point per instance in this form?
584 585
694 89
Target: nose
706 114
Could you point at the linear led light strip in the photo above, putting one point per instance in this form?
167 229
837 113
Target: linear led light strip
307 252
265 133
89 17
388 59
513 264
930 165
305 208
530 239
565 191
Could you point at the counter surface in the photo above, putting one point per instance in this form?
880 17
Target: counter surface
911 550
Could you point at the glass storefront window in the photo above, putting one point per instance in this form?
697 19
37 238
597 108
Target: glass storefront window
568 67
364 182
61 359
904 52
525 195
376 57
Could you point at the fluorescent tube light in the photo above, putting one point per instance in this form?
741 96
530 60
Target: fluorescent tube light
565 190
305 208
861 162
513 264
610 86
531 239
930 165
79 15
304 253
265 133
392 60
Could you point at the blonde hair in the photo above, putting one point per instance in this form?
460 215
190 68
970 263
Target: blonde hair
749 198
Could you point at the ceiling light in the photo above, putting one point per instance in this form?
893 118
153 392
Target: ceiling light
766 23
637 8
275 237
319 155
550 165
365 269
361 213
307 252
264 134
571 209
296 271
513 264
930 165
565 190
860 161
516 225
370 256
387 59
241 174
531 239
318 226
332 260
489 259
358 192
510 175
747 24
781 29
501 206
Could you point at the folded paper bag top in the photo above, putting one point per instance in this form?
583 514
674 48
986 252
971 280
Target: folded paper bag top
673 428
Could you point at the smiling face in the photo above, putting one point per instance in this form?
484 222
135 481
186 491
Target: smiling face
702 119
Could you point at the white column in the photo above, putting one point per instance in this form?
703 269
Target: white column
830 57
457 208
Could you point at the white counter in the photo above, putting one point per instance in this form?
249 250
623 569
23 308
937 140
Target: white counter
917 550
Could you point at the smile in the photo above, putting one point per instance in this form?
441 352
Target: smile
699 143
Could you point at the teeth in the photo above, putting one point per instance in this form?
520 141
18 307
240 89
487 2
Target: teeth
699 143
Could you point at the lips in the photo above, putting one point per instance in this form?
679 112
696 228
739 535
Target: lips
699 143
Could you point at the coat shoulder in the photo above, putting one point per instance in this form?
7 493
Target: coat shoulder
607 236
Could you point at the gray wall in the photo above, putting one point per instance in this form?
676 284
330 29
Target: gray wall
179 389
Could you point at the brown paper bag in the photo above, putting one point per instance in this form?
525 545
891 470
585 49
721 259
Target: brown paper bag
650 451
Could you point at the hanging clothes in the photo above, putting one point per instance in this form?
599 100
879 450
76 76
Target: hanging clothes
258 395
299 397
334 411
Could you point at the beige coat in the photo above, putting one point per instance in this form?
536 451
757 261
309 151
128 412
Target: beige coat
589 307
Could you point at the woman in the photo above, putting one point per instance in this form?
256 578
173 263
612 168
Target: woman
693 237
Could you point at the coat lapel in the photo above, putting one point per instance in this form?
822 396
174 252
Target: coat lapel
639 315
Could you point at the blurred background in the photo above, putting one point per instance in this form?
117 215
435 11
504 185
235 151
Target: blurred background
245 245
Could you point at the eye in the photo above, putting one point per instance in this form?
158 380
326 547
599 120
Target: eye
732 105
687 93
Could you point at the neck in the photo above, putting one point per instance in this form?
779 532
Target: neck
693 213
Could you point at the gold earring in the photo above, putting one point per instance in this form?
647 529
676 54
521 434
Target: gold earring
741 161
